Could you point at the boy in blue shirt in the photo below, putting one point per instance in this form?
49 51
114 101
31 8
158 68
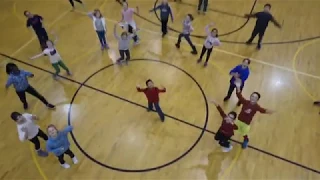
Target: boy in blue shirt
165 11
239 72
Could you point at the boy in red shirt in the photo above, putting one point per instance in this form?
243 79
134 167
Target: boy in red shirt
249 109
152 94
226 130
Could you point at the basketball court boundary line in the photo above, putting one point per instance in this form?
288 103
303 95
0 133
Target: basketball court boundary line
172 117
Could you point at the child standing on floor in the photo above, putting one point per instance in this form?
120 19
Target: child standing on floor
187 29
127 18
123 44
211 41
19 79
59 144
54 57
152 94
99 24
226 130
28 130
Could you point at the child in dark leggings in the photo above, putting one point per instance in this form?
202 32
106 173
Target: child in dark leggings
123 45
59 144
19 79
211 41
36 22
54 57
187 29
28 130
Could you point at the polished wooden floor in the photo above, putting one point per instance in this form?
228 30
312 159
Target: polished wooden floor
113 129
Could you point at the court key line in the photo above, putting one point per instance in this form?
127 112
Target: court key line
231 53
172 117
294 62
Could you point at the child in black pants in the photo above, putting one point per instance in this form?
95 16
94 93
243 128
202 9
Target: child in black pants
226 130
187 29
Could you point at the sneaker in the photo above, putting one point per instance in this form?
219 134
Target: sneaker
75 160
199 61
106 47
194 52
164 34
316 103
42 153
55 77
178 45
227 149
149 110
245 144
259 46
136 43
50 106
25 106
226 98
249 42
65 165
205 64
162 119
69 73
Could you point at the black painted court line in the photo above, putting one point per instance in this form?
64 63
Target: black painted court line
182 121
234 42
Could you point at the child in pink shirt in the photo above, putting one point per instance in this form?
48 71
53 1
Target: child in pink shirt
127 19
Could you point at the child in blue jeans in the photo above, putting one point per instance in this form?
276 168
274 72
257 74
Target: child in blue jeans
152 94
59 144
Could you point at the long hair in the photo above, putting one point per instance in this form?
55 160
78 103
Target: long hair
96 11
10 67
215 29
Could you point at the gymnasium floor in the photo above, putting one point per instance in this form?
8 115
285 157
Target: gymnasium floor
120 140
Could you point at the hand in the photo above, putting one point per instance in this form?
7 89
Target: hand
236 75
32 75
138 86
270 111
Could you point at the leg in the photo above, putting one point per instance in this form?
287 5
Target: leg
23 99
194 50
203 51
72 3
105 40
57 69
42 135
179 40
164 28
34 93
230 91
42 41
205 5
200 4
150 106
122 52
127 52
100 36
253 35
208 56
243 129
36 143
261 34
72 156
159 110
217 137
63 66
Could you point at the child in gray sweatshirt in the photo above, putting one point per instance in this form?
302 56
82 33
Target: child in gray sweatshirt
123 44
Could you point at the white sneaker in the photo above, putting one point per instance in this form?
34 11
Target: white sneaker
75 160
227 149
65 165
